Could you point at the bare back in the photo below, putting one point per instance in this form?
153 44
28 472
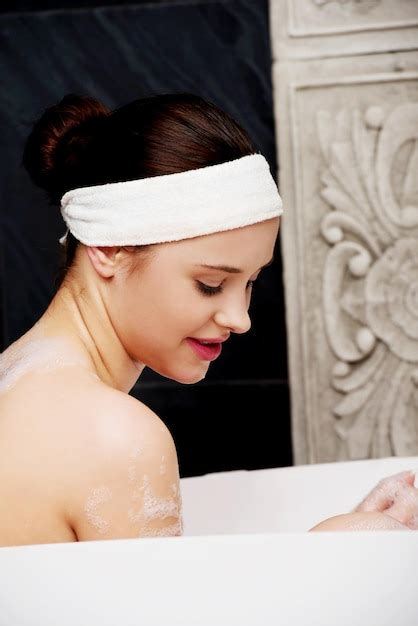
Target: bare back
65 440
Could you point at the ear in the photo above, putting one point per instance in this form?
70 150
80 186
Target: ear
105 259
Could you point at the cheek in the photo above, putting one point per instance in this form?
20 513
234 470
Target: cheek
159 309
186 311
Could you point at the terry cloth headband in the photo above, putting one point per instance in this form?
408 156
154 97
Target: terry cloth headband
173 206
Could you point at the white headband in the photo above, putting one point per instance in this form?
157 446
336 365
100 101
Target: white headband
173 206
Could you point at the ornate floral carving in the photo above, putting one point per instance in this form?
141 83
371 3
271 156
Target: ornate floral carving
370 289
391 294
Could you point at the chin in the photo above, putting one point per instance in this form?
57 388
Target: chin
193 376
183 379
188 380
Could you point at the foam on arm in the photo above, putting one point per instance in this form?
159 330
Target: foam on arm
133 490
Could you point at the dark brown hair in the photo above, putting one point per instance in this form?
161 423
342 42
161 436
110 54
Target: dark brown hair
80 142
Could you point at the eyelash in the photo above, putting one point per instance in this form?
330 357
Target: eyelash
212 291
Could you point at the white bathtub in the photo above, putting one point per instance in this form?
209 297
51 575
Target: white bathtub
246 559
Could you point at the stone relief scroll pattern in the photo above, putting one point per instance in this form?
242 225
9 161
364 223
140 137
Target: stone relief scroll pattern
369 183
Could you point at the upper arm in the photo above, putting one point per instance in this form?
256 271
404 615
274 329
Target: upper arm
359 521
129 485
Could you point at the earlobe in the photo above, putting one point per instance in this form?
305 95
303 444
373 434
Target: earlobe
103 259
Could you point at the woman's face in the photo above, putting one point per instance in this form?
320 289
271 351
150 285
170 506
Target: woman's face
157 308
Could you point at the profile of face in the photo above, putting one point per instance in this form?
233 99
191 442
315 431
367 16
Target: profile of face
173 297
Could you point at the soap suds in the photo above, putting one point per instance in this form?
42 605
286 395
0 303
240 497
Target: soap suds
152 508
132 469
174 530
98 496
37 354
396 497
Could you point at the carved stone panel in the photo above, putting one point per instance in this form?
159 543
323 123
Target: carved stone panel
347 133
324 17
322 28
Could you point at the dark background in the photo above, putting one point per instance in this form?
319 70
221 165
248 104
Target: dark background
238 417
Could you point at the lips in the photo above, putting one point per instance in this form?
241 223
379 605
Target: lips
207 352
210 339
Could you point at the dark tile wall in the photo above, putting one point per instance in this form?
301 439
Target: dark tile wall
233 424
238 417
19 6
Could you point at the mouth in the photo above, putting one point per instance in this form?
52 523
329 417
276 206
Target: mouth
206 351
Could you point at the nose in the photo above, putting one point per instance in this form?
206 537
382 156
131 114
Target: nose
234 316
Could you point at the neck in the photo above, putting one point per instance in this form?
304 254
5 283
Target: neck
79 315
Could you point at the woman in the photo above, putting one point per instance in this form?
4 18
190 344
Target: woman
171 216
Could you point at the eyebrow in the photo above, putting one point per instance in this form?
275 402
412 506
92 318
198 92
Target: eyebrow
232 270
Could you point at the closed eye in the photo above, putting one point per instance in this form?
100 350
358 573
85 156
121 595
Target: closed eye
211 291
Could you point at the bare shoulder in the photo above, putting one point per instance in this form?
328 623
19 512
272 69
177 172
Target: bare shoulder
124 482
116 418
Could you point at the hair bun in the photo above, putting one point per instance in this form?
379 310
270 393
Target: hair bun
56 147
